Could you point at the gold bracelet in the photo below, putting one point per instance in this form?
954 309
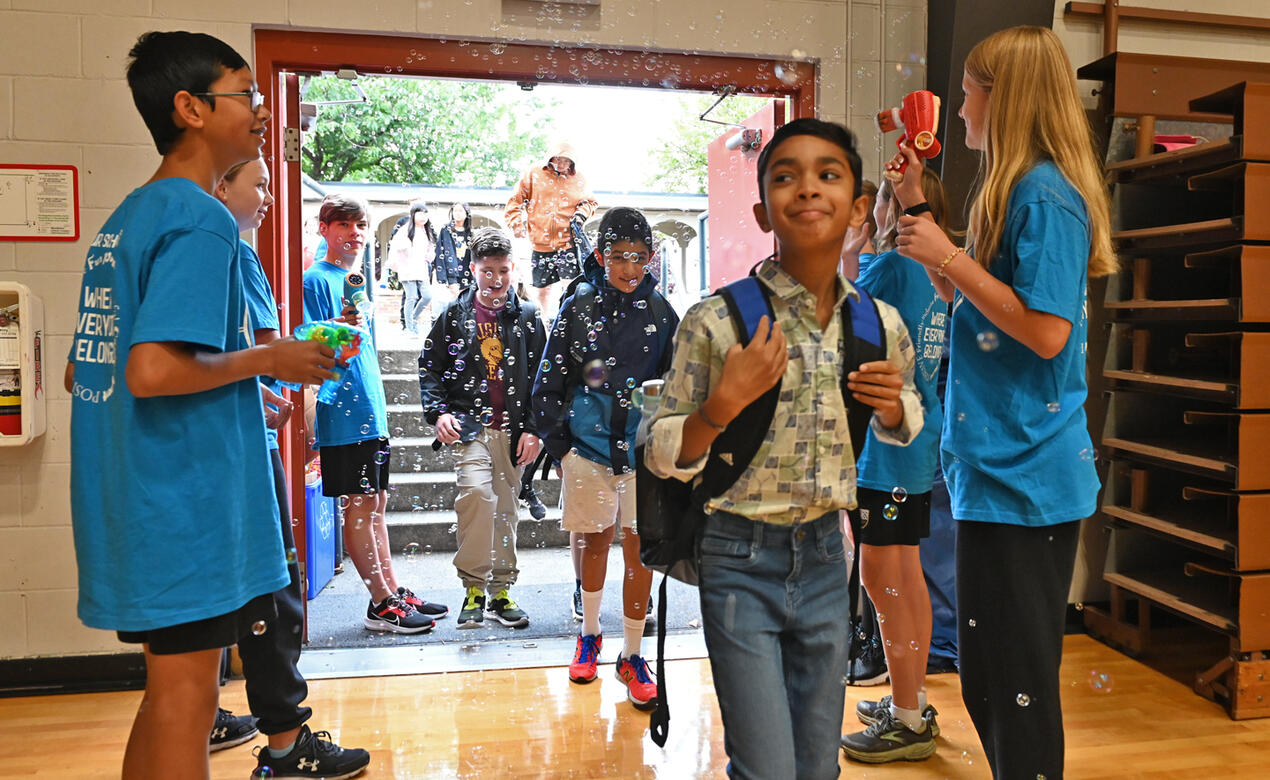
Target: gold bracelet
939 269
701 410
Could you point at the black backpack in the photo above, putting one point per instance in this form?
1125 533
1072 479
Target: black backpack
669 514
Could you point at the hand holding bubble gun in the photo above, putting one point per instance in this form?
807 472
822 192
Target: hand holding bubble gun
345 340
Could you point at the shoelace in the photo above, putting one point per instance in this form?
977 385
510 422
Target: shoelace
506 598
641 668
588 651
323 743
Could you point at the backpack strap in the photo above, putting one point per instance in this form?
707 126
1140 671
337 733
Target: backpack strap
863 341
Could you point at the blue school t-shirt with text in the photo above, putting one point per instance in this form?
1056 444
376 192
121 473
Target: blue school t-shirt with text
893 278
358 413
262 308
1016 448
172 499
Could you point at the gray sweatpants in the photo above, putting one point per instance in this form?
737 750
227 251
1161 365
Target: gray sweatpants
488 484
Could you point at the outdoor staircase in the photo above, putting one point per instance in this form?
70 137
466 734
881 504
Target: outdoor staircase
423 485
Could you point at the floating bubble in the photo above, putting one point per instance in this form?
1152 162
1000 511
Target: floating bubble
366 428
971 622
1100 682
381 457
899 494
594 373
454 349
365 483
912 645
965 756
259 627
786 72
487 417
544 366
890 511
292 557
1023 699
1089 455
264 773
427 343
881 618
1053 407
630 382
988 340
460 364
398 432
412 549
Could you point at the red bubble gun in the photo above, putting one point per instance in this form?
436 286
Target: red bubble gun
345 339
918 117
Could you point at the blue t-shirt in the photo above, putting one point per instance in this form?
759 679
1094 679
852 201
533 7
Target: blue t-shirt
1015 446
172 497
893 278
262 308
358 413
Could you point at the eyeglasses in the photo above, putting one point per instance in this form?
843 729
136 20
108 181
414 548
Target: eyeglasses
639 258
253 96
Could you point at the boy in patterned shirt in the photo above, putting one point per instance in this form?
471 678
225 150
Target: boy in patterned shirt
773 584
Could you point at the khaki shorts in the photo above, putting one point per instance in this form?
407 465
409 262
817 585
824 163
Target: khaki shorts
594 497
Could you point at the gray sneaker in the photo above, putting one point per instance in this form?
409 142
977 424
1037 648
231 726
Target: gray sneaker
867 711
505 610
888 739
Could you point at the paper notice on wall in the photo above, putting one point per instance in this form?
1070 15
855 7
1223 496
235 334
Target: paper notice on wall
10 347
39 203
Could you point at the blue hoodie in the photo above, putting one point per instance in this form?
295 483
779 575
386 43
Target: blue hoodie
596 355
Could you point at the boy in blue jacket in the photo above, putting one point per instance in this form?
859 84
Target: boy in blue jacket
613 333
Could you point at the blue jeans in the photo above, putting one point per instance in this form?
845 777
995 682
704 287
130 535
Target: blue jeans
417 295
776 613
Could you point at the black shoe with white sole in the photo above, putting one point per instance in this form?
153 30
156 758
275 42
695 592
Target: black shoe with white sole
867 713
396 616
312 755
230 730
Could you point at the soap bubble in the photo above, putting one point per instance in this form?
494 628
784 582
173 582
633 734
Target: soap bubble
412 549
292 556
366 428
988 340
454 349
381 457
1053 407
890 511
1100 682
259 627
899 494
1023 699
594 373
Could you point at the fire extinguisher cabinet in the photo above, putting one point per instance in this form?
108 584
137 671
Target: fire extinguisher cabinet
23 379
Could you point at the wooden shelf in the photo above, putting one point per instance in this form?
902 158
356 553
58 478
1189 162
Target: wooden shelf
1199 532
1177 163
1162 453
1207 233
1147 310
1199 601
1202 389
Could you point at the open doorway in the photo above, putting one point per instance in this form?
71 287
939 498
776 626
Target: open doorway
520 74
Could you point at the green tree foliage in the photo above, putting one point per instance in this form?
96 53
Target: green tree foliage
423 131
680 160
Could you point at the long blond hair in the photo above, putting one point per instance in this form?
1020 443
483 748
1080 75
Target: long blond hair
1033 114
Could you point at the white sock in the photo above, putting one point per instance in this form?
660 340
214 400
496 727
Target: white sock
911 718
921 700
591 611
633 632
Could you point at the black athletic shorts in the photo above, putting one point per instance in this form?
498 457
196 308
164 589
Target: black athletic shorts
352 469
255 616
551 267
881 520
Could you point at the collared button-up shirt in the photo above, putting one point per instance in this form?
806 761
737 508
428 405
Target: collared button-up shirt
805 466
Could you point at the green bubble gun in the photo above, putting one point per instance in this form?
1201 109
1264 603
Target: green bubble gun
346 340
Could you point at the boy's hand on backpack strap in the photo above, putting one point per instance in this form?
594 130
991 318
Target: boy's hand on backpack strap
306 362
447 429
878 384
750 371
527 449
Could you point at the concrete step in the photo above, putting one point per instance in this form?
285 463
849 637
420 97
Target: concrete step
398 361
436 490
435 531
416 454
406 421
402 389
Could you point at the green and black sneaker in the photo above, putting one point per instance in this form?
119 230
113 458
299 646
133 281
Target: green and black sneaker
506 612
866 711
888 739
473 614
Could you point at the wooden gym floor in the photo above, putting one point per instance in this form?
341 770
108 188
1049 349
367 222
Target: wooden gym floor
1133 722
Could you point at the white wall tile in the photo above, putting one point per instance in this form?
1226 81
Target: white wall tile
127 7
107 40
13 618
37 559
899 79
46 487
6 107
386 15
258 11
111 172
67 636
76 110
40 44
7 261
62 255
904 34
41 152
55 363
10 497
865 32
865 94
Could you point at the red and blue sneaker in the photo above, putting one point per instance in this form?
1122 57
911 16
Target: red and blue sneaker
585 658
640 688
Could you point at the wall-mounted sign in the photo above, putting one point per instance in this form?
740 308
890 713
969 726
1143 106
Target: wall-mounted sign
39 203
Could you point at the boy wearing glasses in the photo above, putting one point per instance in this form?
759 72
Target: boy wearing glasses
149 366
612 333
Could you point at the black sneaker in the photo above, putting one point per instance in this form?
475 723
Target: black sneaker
869 667
313 755
473 612
577 602
230 730
888 739
396 616
537 509
505 610
425 608
867 712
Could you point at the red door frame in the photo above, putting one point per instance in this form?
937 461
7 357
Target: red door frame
283 51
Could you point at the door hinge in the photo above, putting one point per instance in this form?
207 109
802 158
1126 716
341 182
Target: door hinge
291 144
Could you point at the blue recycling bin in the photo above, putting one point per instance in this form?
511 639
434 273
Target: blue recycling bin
319 538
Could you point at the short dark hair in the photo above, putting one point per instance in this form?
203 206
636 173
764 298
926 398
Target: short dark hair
832 132
624 223
490 242
338 206
162 64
